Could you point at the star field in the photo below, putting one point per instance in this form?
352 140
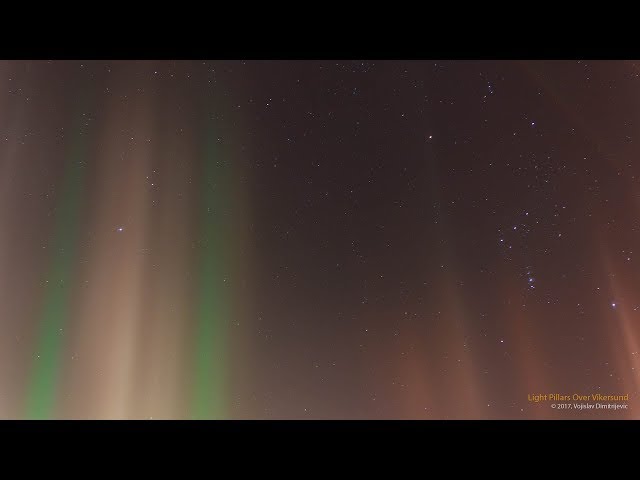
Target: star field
317 239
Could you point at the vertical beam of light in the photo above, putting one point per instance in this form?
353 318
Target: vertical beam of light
42 392
161 389
466 387
420 403
15 293
100 369
625 339
209 396
526 354
623 335
13 119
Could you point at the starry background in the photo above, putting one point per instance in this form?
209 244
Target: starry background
317 239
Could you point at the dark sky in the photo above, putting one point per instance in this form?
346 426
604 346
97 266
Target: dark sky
318 239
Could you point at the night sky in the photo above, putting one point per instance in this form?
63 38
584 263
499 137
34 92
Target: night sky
318 239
